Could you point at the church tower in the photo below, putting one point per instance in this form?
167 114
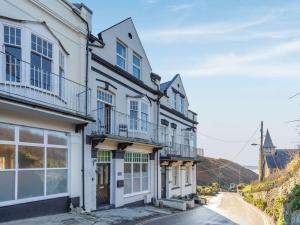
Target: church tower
268 147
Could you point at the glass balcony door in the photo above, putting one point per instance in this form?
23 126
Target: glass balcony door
105 118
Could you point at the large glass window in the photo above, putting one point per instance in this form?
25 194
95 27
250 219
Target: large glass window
12 41
121 55
136 66
136 172
22 163
41 63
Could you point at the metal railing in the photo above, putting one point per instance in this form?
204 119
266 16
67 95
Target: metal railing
181 150
36 83
121 125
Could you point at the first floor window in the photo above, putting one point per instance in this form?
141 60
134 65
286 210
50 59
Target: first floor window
121 55
13 63
134 110
136 66
32 167
144 116
175 176
136 172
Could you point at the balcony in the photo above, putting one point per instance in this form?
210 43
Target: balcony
120 126
27 82
178 150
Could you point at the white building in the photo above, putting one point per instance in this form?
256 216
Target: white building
178 157
43 106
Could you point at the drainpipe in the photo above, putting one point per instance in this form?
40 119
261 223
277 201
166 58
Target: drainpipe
157 135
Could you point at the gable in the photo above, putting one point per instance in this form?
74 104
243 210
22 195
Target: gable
176 85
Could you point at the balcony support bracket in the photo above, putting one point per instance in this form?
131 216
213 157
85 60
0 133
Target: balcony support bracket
122 146
79 127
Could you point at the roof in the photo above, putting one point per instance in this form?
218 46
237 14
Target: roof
268 141
280 159
164 86
80 5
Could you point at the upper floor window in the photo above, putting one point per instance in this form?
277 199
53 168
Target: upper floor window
121 55
136 66
134 109
144 116
174 100
41 63
12 45
182 105
61 73
139 112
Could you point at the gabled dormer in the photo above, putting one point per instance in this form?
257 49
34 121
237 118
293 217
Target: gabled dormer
175 95
123 49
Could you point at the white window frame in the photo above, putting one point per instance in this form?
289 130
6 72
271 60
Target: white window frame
44 145
139 115
141 162
182 105
121 56
174 98
139 67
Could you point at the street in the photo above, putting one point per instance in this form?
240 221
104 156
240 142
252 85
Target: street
232 206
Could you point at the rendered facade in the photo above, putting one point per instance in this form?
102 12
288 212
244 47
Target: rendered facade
84 120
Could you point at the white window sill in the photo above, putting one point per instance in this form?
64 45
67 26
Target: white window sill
136 193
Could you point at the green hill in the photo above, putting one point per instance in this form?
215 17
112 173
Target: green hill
211 170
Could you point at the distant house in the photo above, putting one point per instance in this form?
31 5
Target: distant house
276 159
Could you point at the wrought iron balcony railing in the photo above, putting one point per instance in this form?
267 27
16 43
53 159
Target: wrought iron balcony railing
36 83
121 125
180 150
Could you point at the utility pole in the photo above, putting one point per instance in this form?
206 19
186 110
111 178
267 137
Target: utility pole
261 153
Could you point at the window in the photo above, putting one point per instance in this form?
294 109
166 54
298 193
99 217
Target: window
121 55
12 43
174 100
175 177
136 66
136 172
164 135
104 156
41 63
31 165
105 97
134 110
187 175
173 135
144 116
182 105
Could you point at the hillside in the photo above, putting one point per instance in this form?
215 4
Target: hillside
207 172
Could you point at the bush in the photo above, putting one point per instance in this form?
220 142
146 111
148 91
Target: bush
208 190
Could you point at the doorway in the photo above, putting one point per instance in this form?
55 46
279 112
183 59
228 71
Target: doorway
102 184
163 182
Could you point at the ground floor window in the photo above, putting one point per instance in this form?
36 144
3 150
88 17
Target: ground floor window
33 163
136 172
175 177
187 175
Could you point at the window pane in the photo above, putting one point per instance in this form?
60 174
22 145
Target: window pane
7 157
7 132
136 177
31 157
30 183
6 34
57 138
136 61
49 50
12 35
46 70
57 181
145 184
31 135
39 45
33 42
136 72
57 157
18 36
127 178
121 50
121 62
7 185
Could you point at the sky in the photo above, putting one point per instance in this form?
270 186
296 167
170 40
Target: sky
239 62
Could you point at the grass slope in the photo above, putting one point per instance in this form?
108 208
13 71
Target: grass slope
208 172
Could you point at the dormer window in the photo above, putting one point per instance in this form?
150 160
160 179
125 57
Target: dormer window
121 55
136 66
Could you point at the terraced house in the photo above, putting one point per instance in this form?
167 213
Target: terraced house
84 120
43 106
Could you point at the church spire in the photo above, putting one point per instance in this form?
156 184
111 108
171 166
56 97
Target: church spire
268 144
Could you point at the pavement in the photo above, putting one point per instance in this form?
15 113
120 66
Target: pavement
233 207
105 217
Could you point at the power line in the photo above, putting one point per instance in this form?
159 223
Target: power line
242 149
220 139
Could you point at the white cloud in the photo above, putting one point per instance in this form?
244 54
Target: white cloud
180 7
201 31
256 63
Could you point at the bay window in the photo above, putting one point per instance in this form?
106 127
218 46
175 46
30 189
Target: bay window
33 163
12 45
41 63
136 172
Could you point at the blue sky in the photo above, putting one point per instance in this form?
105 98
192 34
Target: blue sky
239 61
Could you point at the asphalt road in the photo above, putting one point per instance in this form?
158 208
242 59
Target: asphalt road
198 216
232 206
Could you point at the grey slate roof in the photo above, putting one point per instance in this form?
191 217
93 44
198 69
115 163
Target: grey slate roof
164 86
268 141
280 159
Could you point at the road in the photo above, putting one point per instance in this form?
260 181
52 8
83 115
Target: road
224 209
232 206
